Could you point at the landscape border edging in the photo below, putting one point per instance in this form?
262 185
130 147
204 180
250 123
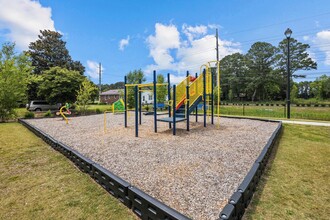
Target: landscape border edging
241 198
142 204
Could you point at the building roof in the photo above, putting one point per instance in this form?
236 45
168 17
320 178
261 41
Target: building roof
111 92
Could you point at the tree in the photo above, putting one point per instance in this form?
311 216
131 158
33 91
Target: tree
234 74
134 77
14 71
299 60
320 88
60 85
50 51
161 90
85 94
261 61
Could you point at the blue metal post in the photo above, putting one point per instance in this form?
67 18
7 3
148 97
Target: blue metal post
204 96
125 101
169 97
187 111
174 109
140 104
197 105
155 102
136 88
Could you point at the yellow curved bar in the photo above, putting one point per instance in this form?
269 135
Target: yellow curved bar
61 112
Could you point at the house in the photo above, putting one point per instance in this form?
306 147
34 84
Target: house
111 96
147 97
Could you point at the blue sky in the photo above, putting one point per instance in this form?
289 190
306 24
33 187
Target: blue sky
169 36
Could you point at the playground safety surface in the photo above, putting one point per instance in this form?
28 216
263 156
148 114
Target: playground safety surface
193 172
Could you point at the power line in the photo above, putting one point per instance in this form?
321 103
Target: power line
274 24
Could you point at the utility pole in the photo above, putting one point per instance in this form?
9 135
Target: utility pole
100 71
217 44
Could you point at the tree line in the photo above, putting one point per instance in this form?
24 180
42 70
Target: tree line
261 73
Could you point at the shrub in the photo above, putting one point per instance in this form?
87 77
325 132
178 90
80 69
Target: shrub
98 111
29 115
48 114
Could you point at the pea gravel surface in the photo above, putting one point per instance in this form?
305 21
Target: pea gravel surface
193 172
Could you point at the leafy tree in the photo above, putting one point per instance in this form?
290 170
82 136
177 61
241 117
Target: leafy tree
299 60
85 94
50 51
14 71
234 74
261 61
117 85
134 77
60 85
320 88
161 90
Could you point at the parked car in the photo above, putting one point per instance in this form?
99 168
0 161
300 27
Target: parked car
42 105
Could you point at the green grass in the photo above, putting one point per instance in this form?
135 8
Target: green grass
37 182
296 184
309 113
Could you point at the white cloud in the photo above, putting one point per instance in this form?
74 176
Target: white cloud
23 19
124 43
93 69
194 31
181 54
176 79
322 40
165 39
306 38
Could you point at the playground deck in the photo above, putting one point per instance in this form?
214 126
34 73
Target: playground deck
193 172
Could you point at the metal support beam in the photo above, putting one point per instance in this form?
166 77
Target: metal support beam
125 101
169 98
187 106
140 104
136 111
155 102
204 96
174 110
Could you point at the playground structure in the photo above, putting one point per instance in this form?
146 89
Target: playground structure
67 112
183 99
118 106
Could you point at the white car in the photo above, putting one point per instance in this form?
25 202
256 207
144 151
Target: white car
42 105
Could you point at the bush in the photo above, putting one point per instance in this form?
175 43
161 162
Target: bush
29 115
48 114
102 103
98 111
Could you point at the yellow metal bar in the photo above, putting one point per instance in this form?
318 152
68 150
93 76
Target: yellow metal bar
146 85
105 121
61 112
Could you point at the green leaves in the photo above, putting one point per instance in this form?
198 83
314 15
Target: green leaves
50 51
85 94
14 72
60 85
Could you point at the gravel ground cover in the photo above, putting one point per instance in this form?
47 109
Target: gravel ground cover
193 172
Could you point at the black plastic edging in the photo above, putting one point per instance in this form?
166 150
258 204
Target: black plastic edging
142 204
240 199
147 207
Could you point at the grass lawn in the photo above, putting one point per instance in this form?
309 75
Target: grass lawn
310 113
37 182
296 185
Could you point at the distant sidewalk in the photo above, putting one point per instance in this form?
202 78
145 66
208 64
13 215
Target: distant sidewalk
307 123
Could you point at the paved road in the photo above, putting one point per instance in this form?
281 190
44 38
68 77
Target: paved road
307 123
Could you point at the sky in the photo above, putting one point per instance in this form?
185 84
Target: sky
169 36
